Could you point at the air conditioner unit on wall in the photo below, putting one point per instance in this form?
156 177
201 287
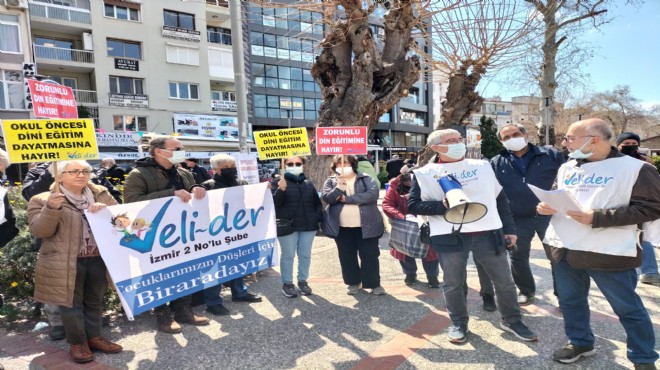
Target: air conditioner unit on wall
20 4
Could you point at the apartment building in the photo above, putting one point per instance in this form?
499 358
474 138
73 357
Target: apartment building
166 66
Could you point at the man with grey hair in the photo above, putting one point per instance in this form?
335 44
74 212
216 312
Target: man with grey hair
160 176
112 171
486 238
616 194
225 176
521 163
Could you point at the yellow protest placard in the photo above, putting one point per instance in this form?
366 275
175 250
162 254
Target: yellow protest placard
41 140
274 144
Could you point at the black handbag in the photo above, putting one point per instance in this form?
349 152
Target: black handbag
284 227
425 233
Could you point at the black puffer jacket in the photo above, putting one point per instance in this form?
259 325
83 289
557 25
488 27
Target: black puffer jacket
300 203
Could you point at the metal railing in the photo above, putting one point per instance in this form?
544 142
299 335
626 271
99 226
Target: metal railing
223 3
85 96
218 38
70 55
78 14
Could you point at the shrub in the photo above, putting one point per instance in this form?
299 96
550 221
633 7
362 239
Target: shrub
17 258
656 162
382 177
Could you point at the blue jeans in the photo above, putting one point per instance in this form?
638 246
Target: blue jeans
212 295
649 263
495 265
409 266
526 228
618 287
300 243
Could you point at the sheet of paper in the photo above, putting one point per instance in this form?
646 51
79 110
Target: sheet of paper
560 200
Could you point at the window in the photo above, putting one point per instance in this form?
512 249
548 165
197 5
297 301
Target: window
182 55
218 35
121 12
184 90
223 95
130 123
12 95
179 20
71 82
256 38
124 49
126 85
10 42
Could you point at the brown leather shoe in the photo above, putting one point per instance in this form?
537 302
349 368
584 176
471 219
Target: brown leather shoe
103 345
166 323
185 314
80 353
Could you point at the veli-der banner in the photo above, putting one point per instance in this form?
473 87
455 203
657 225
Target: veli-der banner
219 127
163 249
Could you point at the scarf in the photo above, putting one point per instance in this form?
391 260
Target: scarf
81 202
295 178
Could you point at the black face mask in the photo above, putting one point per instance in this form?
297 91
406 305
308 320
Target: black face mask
630 150
403 189
229 173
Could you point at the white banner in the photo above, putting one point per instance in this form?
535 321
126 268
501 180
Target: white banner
221 127
247 167
163 249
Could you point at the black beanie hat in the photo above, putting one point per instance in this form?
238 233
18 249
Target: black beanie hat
626 136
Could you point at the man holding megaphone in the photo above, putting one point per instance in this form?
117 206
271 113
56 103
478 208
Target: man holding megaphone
467 212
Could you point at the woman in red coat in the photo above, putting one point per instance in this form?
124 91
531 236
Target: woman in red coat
395 205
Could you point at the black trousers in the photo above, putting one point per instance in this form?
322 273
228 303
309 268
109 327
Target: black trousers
83 320
366 269
175 304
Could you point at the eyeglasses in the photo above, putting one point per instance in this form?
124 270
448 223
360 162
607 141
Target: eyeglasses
571 139
78 172
174 149
297 164
452 141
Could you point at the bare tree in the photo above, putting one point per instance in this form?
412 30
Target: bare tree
468 42
562 19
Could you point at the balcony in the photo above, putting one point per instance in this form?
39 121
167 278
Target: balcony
218 38
85 96
77 12
222 3
62 54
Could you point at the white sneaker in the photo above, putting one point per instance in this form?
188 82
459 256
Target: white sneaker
379 290
525 300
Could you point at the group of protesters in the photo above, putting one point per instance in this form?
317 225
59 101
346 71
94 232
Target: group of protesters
71 277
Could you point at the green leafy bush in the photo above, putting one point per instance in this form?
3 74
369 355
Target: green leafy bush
17 258
656 162
382 177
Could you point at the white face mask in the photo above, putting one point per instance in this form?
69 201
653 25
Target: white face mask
344 170
578 154
515 144
294 170
455 151
177 157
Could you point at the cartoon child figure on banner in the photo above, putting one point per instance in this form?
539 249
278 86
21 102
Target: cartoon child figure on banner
120 224
140 227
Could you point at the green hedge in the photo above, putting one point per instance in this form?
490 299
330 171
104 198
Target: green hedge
656 162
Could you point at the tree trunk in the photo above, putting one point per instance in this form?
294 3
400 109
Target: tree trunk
462 98
547 81
358 82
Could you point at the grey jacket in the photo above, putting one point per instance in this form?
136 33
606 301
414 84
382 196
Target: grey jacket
366 197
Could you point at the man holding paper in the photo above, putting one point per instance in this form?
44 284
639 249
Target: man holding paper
616 193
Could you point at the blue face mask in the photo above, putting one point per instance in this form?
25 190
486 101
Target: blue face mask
578 154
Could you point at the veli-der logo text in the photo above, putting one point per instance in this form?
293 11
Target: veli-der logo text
576 179
140 235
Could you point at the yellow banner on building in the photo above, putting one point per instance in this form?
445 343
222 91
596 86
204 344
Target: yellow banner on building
44 140
274 144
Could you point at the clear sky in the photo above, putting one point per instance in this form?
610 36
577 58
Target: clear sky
627 53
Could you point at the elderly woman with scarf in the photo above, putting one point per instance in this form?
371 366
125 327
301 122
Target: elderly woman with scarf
69 270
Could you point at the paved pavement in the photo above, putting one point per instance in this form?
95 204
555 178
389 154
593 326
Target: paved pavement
405 329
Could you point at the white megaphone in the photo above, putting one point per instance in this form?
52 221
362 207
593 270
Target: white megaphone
459 208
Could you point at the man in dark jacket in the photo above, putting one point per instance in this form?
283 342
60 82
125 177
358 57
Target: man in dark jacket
393 167
522 163
628 144
113 173
616 193
159 176
486 237
198 171
226 176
